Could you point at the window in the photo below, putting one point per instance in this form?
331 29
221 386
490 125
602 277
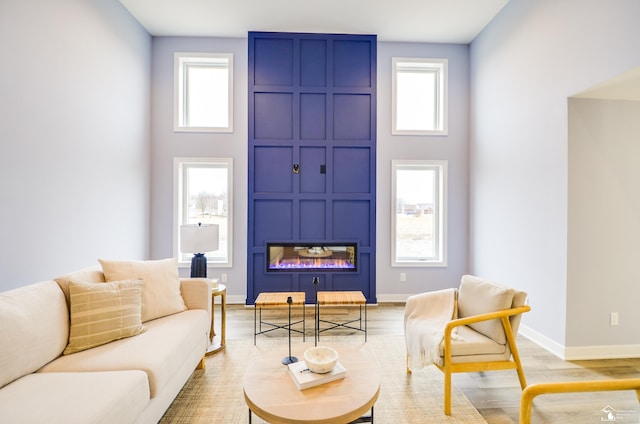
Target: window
419 89
203 193
203 98
418 225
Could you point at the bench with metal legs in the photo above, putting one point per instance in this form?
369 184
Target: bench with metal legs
278 299
341 298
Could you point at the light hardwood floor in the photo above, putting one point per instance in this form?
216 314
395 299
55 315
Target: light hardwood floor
495 394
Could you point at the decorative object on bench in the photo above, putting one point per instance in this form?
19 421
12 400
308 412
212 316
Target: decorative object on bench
472 328
199 239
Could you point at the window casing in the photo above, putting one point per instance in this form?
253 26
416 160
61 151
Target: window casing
419 96
419 206
203 193
203 97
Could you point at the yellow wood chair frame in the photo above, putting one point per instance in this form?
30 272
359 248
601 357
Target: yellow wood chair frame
448 367
528 394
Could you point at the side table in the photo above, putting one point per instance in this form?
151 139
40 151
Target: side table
217 343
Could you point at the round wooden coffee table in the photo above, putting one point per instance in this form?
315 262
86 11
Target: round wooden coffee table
272 395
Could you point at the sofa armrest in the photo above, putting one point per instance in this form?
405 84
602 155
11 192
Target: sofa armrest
196 293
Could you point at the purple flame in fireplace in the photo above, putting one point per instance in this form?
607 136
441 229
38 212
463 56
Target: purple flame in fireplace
308 264
296 257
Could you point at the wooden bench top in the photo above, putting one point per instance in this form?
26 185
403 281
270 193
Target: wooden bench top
279 299
341 298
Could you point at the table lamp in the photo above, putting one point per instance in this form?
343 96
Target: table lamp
199 239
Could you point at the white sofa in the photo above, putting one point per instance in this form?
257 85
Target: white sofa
129 380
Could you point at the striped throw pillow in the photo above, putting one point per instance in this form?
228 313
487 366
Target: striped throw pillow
103 312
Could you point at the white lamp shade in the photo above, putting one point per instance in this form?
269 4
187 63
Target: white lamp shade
199 238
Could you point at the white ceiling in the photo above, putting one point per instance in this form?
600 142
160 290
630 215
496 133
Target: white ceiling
437 21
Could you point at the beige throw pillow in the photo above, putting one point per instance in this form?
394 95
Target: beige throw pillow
103 312
477 296
161 293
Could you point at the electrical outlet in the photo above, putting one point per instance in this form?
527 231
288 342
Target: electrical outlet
613 319
403 276
223 277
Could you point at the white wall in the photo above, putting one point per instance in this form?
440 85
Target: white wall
166 145
524 66
604 223
453 148
74 115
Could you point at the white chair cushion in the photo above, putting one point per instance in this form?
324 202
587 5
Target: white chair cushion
473 343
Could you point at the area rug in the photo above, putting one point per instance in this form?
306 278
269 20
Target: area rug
215 395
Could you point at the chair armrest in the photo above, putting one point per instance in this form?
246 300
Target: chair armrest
529 393
485 317
196 293
503 315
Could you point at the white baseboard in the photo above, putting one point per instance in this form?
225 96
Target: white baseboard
542 341
236 299
579 353
392 298
602 352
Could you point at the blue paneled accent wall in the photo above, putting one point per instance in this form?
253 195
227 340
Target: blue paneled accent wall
312 156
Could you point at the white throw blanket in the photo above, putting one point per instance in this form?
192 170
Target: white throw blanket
425 318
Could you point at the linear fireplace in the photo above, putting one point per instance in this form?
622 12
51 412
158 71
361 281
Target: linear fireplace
301 257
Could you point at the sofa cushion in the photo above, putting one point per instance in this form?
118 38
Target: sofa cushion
159 351
161 292
477 296
104 312
34 328
88 397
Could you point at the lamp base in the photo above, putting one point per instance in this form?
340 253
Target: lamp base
199 266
